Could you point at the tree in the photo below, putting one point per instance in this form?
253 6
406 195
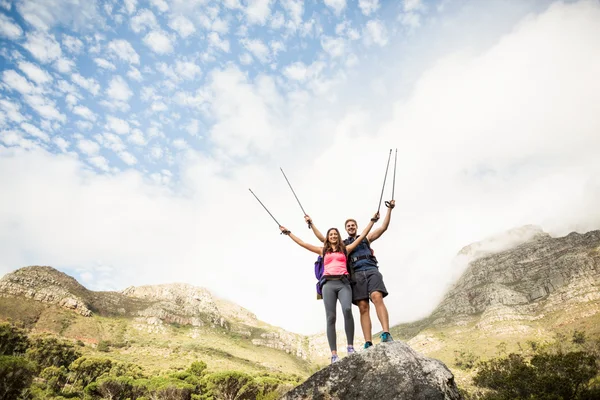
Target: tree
545 376
86 370
16 374
13 340
48 351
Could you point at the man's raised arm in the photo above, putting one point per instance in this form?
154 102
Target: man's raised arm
374 235
317 233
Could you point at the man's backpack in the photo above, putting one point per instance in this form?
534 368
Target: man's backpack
320 271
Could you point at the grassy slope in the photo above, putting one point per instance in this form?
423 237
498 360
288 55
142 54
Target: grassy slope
443 342
167 347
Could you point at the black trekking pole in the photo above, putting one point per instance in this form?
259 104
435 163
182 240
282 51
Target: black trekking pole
387 203
278 224
384 179
290 185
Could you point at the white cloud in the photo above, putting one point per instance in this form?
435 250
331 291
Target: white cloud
18 83
180 144
295 9
9 29
64 65
375 32
72 44
335 47
276 46
296 71
245 59
88 84
161 5
35 131
159 42
193 127
12 110
137 137
412 5
88 147
182 25
61 143
105 64
45 107
99 162
337 5
111 141
410 20
144 19
43 47
257 48
117 125
187 69
15 138
46 14
258 11
127 158
84 112
134 74
368 7
118 89
123 50
130 6
156 152
216 41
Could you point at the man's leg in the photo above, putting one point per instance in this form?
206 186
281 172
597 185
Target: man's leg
382 312
365 319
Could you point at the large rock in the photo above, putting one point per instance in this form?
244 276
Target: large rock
385 371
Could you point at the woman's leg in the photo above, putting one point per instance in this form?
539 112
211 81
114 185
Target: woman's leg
345 296
330 294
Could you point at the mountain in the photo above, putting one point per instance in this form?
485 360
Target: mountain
154 326
518 286
533 288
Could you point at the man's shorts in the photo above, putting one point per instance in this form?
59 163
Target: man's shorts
367 282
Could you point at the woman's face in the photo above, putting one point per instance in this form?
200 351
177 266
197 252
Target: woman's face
333 236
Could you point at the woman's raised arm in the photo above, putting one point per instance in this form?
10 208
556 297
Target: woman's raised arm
310 247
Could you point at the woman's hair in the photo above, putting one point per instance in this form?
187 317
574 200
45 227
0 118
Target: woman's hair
331 248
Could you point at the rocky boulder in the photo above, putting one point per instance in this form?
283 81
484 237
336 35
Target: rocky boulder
385 371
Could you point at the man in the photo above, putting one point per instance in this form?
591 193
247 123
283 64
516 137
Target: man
369 281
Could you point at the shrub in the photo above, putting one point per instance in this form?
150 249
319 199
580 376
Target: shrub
16 375
47 351
13 340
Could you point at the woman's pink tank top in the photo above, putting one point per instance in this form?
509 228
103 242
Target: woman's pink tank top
335 264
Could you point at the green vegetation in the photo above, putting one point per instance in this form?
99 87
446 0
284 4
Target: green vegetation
557 370
44 367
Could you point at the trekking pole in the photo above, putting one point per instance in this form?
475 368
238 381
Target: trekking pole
278 224
387 203
290 185
384 179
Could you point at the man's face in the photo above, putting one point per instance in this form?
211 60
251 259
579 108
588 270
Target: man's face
351 228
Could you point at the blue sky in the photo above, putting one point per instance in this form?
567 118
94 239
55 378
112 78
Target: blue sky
129 84
131 131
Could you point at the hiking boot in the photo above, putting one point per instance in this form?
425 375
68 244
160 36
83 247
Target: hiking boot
368 344
386 337
334 358
351 350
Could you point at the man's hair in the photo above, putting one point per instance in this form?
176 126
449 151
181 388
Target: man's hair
348 220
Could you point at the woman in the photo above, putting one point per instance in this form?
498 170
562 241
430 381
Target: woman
337 282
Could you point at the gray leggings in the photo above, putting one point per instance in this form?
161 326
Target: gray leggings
332 291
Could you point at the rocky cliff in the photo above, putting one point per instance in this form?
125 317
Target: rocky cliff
541 276
154 308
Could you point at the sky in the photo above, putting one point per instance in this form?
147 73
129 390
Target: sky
130 133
